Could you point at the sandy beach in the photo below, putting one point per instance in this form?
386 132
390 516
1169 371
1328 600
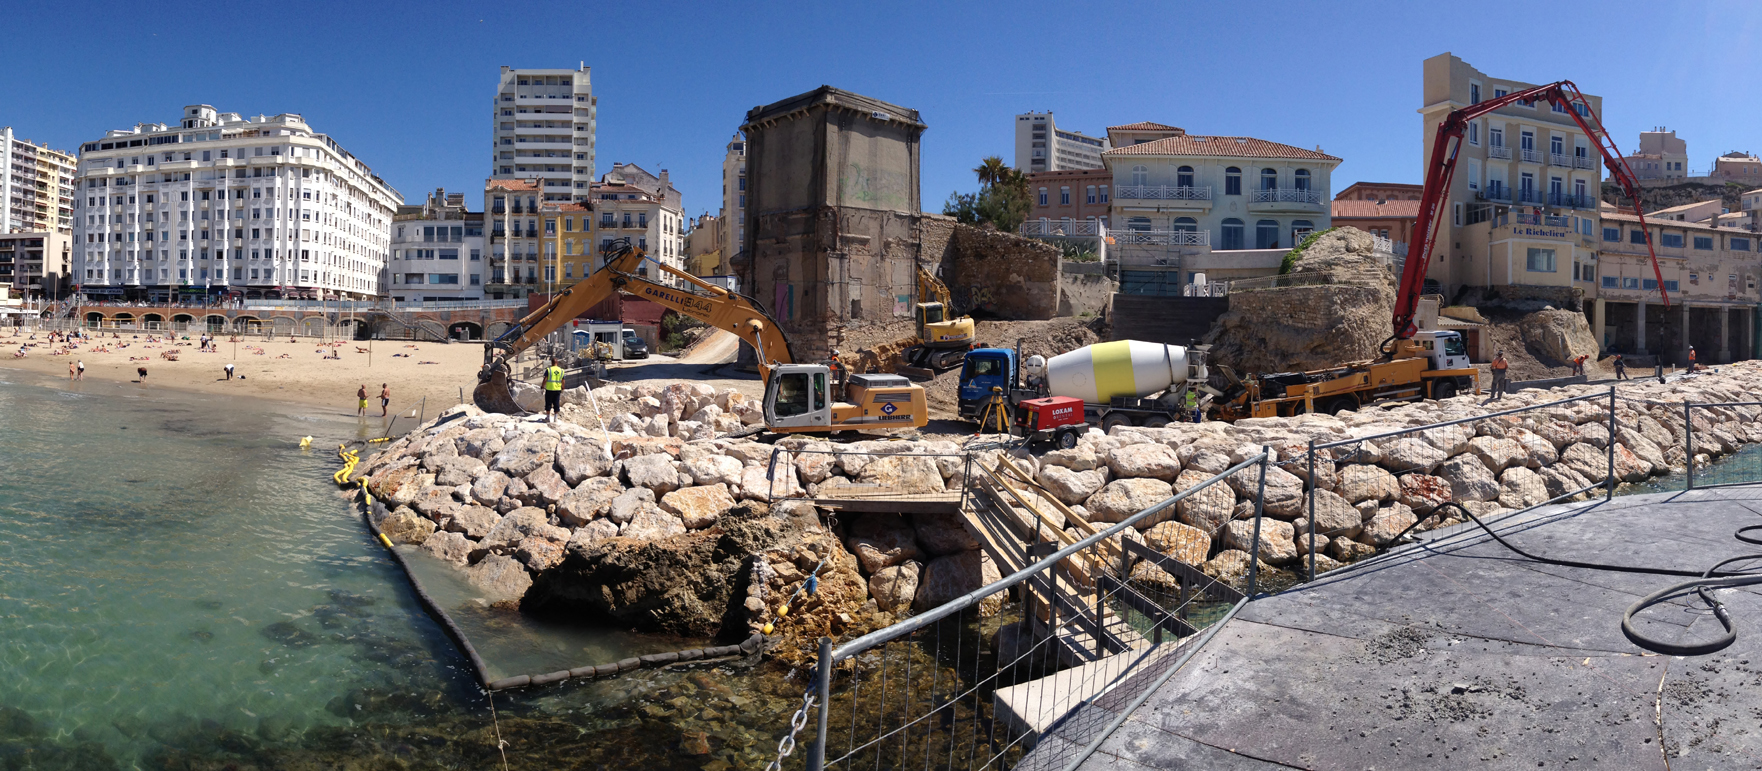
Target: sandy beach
294 372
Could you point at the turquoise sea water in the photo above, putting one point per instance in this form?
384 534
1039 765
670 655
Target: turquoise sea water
182 587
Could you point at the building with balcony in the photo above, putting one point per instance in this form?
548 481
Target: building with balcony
1042 146
1710 274
511 239
1384 218
543 129
1661 155
217 204
1523 205
36 186
1380 191
703 246
645 208
436 251
1228 207
1071 202
35 264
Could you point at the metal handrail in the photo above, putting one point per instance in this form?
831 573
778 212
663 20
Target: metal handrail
1164 192
1286 195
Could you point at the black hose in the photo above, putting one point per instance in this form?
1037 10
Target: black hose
1711 578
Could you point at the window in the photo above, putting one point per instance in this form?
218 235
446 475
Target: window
1672 240
1103 195
1636 236
1233 237
1495 136
1499 92
1540 260
1611 282
1740 244
1474 93
1064 196
1232 181
1140 176
1649 284
1302 178
1184 176
1704 243
1474 132
1185 225
1269 179
1669 284
1266 234
1042 197
1089 194
1556 145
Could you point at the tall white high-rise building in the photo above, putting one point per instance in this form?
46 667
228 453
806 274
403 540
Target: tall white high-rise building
36 186
544 130
221 204
733 217
1042 146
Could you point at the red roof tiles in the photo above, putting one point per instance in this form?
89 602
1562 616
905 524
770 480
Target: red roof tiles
1231 147
1143 126
1372 209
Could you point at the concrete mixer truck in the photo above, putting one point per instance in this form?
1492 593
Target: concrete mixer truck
1125 382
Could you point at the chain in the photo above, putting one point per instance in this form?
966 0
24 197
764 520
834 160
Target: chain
796 723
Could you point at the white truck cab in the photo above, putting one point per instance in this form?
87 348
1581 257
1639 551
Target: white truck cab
1447 350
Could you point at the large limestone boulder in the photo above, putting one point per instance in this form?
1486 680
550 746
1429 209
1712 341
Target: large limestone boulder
881 541
459 470
473 521
525 454
502 579
950 576
651 523
896 586
588 502
489 488
628 502
447 547
1334 517
706 467
756 484
1538 452
1642 447
1122 498
544 486
1283 497
1276 539
698 507
943 533
577 461
1520 487
1558 336
1071 487
655 472
903 474
1315 324
1179 540
520 525
1389 522
1411 454
406 526
1367 483
1077 458
1150 461
1423 492
1586 461
1469 479
1497 454
1629 467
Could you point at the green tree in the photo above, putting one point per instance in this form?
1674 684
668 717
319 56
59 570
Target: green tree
1002 201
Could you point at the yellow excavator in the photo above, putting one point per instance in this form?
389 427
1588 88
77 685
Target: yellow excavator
799 398
943 342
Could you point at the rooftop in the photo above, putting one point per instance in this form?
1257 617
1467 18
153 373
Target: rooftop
1373 209
1229 147
512 185
1144 126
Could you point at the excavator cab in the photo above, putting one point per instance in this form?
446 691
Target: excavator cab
805 397
799 396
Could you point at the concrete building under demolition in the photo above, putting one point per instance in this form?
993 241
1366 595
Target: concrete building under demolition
832 215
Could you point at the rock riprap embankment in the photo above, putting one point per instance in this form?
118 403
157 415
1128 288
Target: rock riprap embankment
700 534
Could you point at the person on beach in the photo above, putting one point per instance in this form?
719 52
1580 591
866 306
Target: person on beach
229 372
142 373
81 373
361 410
71 375
1499 366
385 398
553 390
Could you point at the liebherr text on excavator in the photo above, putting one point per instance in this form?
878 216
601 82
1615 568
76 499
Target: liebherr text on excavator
798 397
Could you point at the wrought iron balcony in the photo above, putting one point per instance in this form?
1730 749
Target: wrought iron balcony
1570 200
1529 195
1495 192
1499 151
1286 195
1582 162
1163 193
1560 159
1530 156
1163 237
1064 227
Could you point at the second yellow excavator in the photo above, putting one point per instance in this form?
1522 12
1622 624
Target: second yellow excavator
943 341
799 398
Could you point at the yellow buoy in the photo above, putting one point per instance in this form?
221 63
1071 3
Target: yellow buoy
305 441
783 611
767 627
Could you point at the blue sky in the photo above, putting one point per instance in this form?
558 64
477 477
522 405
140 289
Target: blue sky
408 87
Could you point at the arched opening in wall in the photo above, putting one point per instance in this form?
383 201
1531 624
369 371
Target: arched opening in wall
282 326
153 321
1300 229
94 319
496 329
1184 176
249 325
1233 234
1266 234
312 325
215 322
1184 225
465 330
1302 179
1269 179
123 319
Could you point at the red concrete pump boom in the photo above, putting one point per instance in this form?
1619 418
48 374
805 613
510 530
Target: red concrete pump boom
1442 169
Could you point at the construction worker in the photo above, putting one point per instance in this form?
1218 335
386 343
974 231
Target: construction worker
1193 405
837 368
1691 358
1499 381
1578 364
553 389
1620 368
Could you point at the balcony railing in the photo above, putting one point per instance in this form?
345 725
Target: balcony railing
1286 195
1163 237
1570 200
1582 162
1559 159
1541 221
1046 227
1163 193
1499 151
1530 156
1494 192
1529 195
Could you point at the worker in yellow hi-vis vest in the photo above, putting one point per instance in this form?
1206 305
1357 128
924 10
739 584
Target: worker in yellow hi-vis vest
553 389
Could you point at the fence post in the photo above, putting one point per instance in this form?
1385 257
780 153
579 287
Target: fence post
1313 488
1609 484
1688 432
1259 504
822 684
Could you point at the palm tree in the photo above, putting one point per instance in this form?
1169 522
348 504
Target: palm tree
991 171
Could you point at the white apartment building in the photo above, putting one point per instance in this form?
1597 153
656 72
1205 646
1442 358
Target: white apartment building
733 216
35 264
1042 146
647 209
220 204
436 251
544 127
1227 207
36 186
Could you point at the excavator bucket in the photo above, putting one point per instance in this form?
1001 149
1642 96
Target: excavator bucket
494 392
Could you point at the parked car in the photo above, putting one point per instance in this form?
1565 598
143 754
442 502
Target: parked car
634 347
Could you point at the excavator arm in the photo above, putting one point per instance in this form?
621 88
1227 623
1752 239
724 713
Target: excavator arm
714 305
1442 169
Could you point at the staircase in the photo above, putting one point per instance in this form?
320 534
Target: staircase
1161 319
